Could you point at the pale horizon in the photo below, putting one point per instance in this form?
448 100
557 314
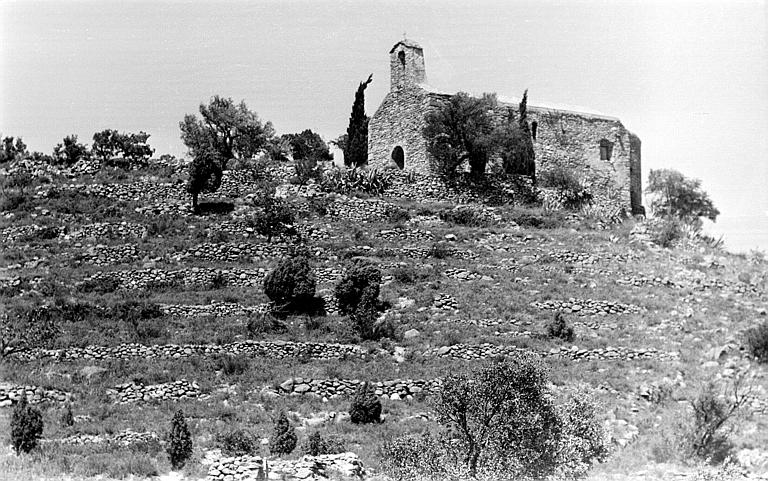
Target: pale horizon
689 78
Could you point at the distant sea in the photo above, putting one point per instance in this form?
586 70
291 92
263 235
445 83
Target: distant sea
741 233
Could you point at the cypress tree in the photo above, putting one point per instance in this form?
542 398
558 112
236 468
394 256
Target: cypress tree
180 441
284 439
527 160
26 426
366 407
356 151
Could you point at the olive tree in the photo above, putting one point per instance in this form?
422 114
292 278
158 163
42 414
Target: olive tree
231 129
674 195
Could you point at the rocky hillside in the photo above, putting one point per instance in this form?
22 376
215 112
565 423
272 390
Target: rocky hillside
159 310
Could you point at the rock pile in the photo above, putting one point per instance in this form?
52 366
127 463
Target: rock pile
215 309
232 252
470 352
462 274
191 277
395 390
10 394
269 349
310 468
358 210
404 234
641 280
132 392
102 255
445 302
122 438
106 230
587 307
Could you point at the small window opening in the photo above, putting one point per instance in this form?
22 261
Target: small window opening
401 57
606 149
534 129
398 156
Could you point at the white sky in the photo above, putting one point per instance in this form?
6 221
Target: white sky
690 78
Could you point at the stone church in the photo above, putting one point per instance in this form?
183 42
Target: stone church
597 147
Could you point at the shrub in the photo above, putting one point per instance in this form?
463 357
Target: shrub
583 438
291 285
713 421
464 216
409 275
26 426
259 324
274 217
67 418
368 181
283 440
559 328
239 443
502 415
439 251
757 342
179 441
667 232
22 329
306 169
565 181
101 285
365 407
361 278
316 445
233 365
397 215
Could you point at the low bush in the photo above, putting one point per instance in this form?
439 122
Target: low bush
367 181
239 443
409 275
233 365
283 440
67 418
291 285
365 407
559 328
757 342
464 216
397 215
439 251
179 445
103 285
360 279
667 232
567 184
316 445
26 426
274 217
260 324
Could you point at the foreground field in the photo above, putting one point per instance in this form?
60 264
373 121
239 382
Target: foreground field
652 325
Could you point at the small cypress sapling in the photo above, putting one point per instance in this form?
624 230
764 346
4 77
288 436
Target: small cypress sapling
26 426
366 407
284 440
180 441
560 328
67 418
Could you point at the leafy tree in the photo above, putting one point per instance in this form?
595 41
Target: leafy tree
675 195
12 149
133 148
308 144
502 415
26 426
70 151
205 173
229 129
291 285
179 441
283 440
22 329
757 342
461 130
366 406
356 146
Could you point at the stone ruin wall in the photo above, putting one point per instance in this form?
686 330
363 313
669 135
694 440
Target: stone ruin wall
563 139
400 120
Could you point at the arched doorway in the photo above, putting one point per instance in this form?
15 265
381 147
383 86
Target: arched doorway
399 157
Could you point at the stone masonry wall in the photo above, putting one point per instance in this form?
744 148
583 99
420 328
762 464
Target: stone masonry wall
399 121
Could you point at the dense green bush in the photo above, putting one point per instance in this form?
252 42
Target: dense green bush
362 278
26 426
239 443
291 285
565 181
757 342
397 215
559 328
316 445
464 216
274 217
283 440
179 446
365 407
667 232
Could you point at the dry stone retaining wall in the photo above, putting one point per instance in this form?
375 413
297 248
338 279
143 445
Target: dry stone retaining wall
173 391
11 393
310 468
587 307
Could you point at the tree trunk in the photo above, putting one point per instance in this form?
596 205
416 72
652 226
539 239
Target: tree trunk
194 203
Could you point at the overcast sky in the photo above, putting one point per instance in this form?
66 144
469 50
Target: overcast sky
690 78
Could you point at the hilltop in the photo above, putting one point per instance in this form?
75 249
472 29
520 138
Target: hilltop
159 310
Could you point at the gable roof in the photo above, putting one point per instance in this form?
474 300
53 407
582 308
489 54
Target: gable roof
407 43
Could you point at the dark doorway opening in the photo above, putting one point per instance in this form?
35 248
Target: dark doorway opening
399 157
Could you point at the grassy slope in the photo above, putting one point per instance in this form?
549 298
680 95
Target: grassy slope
714 316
